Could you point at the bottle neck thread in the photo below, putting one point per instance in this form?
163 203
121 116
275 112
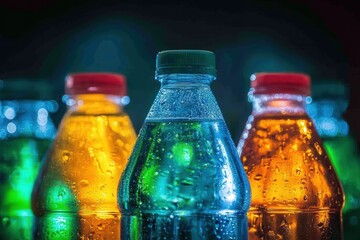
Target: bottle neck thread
285 104
95 103
188 80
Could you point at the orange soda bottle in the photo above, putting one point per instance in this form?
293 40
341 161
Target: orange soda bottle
296 193
75 194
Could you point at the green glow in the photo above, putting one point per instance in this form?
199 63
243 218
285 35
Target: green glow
183 153
20 160
61 198
147 178
342 152
57 226
19 166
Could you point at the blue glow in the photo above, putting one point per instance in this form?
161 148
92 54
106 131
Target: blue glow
11 127
9 113
327 117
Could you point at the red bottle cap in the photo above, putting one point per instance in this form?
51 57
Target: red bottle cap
97 82
281 82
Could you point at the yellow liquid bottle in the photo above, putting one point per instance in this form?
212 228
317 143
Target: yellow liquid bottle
75 196
296 193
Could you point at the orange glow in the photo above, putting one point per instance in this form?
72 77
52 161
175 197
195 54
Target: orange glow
89 154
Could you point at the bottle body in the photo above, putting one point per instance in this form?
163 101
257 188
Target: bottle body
184 179
295 191
26 134
78 181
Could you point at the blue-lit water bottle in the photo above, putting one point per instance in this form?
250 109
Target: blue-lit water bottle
26 130
184 179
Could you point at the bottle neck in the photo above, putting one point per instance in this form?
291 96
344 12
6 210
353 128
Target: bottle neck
95 104
185 97
284 104
27 118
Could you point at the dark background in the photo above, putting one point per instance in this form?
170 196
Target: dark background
45 40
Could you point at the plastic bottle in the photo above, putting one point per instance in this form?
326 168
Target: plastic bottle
75 193
330 100
26 131
296 193
184 179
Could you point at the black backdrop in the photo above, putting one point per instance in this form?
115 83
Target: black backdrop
50 38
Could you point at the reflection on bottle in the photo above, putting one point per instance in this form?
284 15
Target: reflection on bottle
329 103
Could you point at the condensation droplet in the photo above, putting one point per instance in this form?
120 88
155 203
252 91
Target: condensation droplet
84 183
258 177
303 181
65 157
100 227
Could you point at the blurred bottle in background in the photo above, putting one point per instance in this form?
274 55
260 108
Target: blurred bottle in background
296 193
184 179
330 100
26 132
75 195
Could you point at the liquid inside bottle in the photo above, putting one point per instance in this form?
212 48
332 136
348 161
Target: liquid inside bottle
26 132
295 190
76 190
184 179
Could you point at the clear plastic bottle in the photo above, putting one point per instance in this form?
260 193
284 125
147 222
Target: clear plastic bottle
330 100
184 179
75 193
296 193
26 132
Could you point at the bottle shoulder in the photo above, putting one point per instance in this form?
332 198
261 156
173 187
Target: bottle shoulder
184 165
87 155
285 154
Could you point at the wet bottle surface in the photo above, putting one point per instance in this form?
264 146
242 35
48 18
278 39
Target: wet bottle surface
295 191
75 194
184 179
26 133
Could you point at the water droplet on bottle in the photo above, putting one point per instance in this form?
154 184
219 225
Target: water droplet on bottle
84 183
100 227
303 181
257 177
65 157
